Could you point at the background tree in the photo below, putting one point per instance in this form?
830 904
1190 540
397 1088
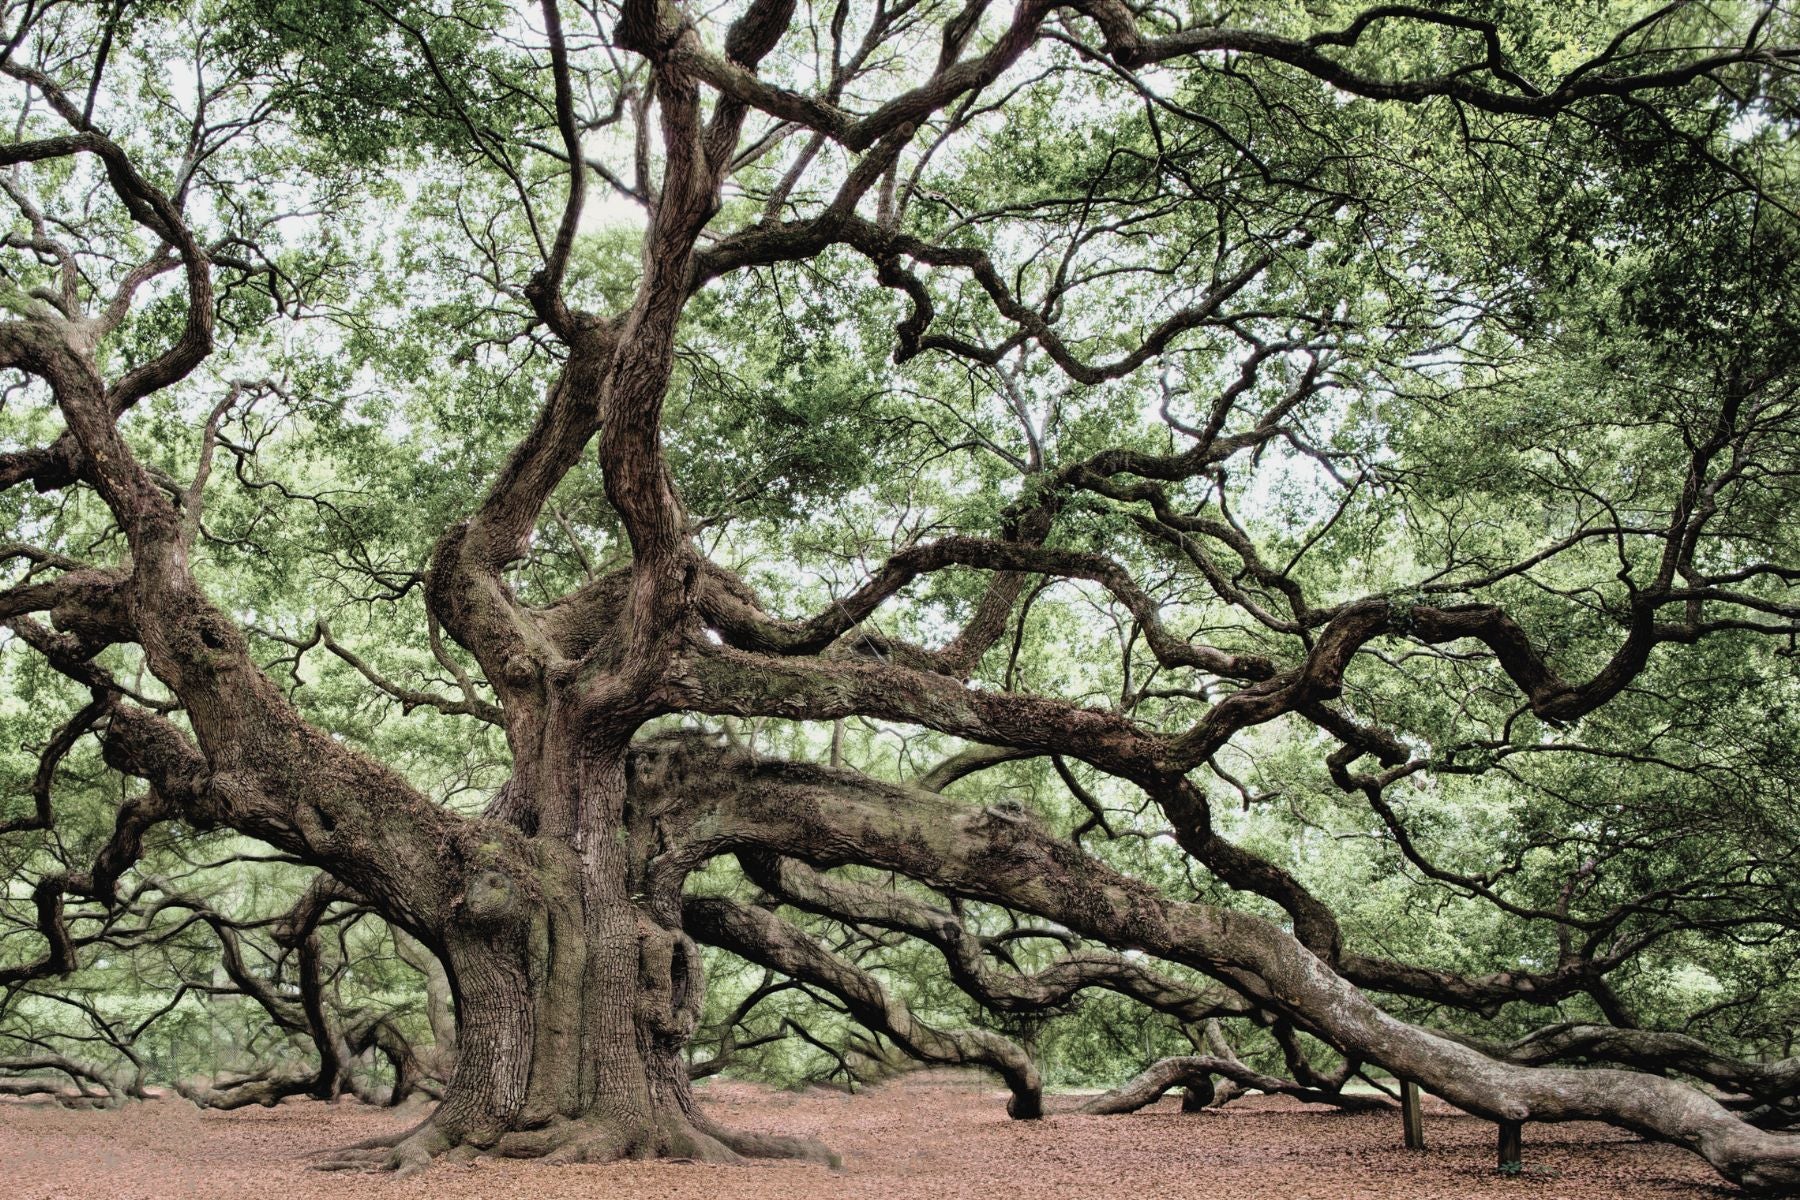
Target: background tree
1301 494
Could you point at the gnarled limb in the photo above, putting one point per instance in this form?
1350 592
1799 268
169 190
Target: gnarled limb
967 957
763 938
812 813
1196 1071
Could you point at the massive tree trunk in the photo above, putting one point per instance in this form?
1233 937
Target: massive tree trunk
573 1007
576 989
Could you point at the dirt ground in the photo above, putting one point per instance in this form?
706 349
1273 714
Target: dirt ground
923 1138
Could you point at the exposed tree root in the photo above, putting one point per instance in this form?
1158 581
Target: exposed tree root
405 1151
385 1141
586 1140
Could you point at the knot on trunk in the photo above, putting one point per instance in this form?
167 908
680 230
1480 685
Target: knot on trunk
490 898
670 985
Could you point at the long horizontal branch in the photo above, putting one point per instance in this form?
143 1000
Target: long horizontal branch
1187 1070
831 817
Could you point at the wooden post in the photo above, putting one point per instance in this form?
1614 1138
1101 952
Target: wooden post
1512 1153
1412 1115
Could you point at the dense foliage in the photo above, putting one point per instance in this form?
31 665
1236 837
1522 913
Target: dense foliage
1329 465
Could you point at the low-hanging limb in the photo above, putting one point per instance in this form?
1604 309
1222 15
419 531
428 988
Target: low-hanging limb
719 679
1198 1071
728 680
831 817
759 936
1775 1082
766 940
95 1086
965 954
336 1036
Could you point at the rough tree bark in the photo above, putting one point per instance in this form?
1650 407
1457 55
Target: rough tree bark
558 916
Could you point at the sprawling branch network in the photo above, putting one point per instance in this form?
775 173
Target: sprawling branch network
555 933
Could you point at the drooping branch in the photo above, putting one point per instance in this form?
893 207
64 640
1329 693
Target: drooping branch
759 936
1198 1071
967 955
22 1077
830 817
1775 1082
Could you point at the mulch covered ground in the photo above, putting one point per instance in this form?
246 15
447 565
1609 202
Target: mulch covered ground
928 1136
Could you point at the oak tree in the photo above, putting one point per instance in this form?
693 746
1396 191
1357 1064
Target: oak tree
1167 500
